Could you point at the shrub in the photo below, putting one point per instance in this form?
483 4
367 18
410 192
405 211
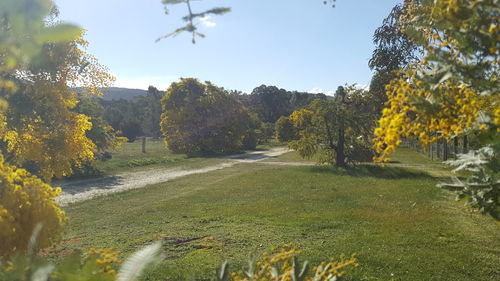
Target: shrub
26 201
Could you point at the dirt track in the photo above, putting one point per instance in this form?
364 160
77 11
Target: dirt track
81 190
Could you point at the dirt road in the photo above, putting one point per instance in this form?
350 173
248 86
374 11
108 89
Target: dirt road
81 190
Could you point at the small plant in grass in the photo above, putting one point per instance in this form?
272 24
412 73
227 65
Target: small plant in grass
282 265
96 265
102 265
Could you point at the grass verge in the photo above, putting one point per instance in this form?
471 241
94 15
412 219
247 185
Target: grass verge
401 226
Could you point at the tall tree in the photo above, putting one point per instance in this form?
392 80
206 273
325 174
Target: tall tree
153 111
201 117
394 51
270 103
101 134
43 132
339 129
454 89
34 97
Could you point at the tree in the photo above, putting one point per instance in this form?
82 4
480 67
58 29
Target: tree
453 90
25 200
201 117
101 134
394 51
285 130
270 103
153 111
338 130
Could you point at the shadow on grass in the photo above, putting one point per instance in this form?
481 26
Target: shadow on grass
370 170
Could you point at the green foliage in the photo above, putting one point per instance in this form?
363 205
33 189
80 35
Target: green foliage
394 50
204 118
125 116
33 120
270 103
453 90
482 189
102 134
19 19
135 117
93 266
284 129
339 129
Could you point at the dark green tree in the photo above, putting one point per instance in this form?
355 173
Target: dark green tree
270 103
203 118
101 134
285 130
153 111
394 50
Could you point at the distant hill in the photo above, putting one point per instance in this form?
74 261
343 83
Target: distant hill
115 93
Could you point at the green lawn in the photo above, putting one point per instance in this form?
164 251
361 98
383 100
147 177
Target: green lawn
129 157
401 226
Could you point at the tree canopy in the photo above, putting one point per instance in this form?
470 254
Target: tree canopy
201 117
453 90
338 129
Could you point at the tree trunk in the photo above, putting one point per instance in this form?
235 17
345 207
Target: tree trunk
340 160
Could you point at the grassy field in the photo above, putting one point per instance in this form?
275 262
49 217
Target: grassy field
401 226
129 157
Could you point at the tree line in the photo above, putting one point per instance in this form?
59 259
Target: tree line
140 116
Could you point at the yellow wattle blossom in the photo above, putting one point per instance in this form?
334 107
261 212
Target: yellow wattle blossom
279 266
445 112
26 201
106 259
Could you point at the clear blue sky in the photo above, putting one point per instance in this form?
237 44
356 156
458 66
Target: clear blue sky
294 44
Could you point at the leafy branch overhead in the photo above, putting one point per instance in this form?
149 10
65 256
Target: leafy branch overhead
190 18
192 26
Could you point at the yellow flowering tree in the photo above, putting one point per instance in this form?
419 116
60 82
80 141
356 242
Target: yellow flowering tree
43 133
25 200
39 131
452 90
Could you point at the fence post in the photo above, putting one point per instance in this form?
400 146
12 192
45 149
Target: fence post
465 148
445 156
438 148
455 147
143 144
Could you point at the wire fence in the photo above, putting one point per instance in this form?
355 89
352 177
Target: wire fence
442 149
146 145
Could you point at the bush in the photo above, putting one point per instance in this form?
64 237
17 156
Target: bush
26 201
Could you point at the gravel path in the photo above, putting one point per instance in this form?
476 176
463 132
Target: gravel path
81 190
